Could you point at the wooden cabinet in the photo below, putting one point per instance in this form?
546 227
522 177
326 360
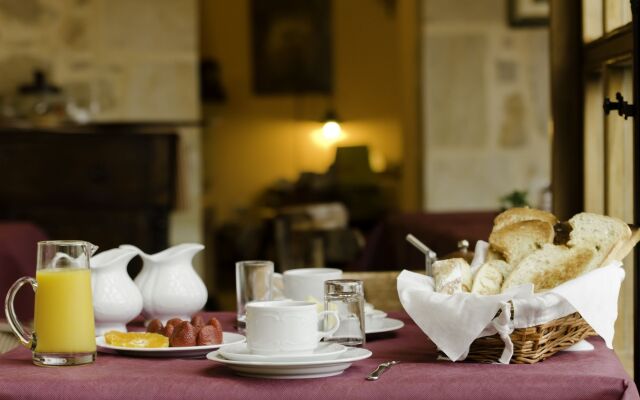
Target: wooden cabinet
108 184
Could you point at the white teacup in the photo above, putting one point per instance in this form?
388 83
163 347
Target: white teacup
285 327
303 283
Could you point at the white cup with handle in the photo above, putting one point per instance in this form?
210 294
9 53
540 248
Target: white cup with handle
285 327
307 284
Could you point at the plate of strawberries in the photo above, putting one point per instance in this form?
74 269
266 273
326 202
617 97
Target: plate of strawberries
176 338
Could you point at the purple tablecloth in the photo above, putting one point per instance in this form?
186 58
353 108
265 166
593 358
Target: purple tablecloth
587 375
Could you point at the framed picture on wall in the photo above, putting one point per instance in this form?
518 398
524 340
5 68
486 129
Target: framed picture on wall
528 12
291 46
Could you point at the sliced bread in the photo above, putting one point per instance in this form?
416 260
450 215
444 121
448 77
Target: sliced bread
517 240
550 266
517 214
597 232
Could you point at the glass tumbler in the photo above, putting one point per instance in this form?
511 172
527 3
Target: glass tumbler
346 296
253 283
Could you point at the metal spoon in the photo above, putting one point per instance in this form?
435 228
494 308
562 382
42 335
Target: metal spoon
381 368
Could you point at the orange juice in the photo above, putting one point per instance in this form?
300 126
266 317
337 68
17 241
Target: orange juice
63 317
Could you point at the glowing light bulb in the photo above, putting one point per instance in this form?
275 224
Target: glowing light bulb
331 131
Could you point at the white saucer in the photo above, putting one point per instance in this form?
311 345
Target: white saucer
384 325
582 345
293 370
228 338
241 352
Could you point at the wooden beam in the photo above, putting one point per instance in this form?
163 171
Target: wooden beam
408 20
567 107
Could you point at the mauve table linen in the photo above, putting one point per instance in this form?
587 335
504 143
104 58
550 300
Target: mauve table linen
579 375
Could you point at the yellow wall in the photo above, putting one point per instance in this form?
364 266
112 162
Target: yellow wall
251 141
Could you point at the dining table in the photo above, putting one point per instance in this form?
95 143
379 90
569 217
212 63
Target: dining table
420 374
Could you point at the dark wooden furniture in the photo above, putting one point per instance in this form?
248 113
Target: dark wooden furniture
108 184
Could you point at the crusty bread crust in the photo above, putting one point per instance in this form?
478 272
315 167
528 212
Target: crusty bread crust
518 214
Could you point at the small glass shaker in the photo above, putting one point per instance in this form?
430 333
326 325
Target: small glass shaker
346 296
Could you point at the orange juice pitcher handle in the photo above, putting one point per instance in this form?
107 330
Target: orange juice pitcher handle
26 339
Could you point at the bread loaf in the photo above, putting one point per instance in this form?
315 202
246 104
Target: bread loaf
489 278
550 266
523 248
452 275
517 214
597 232
519 239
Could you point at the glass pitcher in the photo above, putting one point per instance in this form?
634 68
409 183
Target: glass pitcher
64 330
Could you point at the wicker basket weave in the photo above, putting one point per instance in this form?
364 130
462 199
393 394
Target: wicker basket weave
535 343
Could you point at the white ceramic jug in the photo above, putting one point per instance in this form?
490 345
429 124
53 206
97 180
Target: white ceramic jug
170 286
116 299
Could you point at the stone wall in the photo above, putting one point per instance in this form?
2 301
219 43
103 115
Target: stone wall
134 60
485 106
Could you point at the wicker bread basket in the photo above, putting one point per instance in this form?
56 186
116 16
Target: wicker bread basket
534 343
540 342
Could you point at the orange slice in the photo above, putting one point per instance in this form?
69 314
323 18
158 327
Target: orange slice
136 339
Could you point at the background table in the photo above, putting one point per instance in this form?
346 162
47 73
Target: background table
585 375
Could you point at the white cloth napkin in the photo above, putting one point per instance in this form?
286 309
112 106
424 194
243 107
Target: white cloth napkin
453 322
593 295
479 255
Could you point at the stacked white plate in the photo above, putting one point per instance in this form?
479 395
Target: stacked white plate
328 359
